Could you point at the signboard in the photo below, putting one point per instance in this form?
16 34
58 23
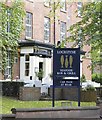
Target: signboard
66 67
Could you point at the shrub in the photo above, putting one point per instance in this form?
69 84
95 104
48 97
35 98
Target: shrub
90 87
97 78
11 88
39 74
83 79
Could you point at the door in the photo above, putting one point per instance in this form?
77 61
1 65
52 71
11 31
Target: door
41 70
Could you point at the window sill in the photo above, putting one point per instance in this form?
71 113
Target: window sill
46 41
31 1
28 38
47 6
64 11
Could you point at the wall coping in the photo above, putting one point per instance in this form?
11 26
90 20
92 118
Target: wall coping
7 115
14 110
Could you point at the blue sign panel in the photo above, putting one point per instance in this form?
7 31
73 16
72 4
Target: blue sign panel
66 67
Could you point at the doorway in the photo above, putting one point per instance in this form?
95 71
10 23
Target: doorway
41 70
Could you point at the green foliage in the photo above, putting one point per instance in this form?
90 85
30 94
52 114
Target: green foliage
83 79
55 7
90 24
97 78
11 88
39 74
11 26
90 87
89 29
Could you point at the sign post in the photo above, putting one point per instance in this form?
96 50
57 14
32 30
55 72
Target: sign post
66 68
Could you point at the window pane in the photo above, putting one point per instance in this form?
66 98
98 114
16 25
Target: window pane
79 6
27 58
29 18
27 66
47 29
8 20
63 5
9 71
8 66
26 72
62 31
47 3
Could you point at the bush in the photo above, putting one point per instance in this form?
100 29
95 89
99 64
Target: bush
11 88
39 74
90 87
83 79
97 78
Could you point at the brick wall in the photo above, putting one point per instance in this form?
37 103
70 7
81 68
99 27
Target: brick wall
72 94
29 93
16 71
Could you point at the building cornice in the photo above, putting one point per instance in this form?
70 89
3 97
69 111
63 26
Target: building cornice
26 43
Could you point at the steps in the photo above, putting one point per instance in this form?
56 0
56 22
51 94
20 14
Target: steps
45 97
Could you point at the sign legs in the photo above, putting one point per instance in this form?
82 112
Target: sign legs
53 96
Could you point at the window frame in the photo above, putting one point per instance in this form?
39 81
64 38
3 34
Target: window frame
27 62
8 68
63 8
27 26
79 6
8 21
47 29
47 3
61 32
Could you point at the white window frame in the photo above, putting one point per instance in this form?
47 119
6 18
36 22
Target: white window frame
79 6
8 21
62 31
29 25
7 73
46 29
47 3
63 5
31 1
15 59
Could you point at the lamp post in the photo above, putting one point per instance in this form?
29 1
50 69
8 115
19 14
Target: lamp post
79 44
54 26
53 92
